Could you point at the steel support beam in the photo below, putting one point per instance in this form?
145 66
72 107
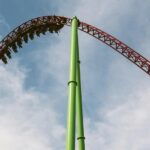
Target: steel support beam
71 117
80 126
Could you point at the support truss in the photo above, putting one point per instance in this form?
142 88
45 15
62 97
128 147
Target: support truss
52 24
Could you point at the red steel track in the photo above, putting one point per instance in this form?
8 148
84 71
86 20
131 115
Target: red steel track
53 24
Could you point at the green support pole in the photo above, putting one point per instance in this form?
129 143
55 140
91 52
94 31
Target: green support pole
81 144
70 139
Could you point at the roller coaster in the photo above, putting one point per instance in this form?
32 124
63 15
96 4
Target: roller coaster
53 24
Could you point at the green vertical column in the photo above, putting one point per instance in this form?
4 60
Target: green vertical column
70 139
81 144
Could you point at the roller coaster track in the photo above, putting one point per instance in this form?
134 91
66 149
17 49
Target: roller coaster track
52 24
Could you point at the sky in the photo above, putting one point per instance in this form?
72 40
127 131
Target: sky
33 85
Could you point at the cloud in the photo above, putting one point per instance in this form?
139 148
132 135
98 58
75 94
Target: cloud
26 120
115 92
3 25
124 126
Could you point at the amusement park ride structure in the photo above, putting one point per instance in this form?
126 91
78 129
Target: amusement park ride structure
53 24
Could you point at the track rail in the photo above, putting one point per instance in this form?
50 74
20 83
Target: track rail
52 24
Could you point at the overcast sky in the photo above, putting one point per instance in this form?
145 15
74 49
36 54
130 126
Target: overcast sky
116 93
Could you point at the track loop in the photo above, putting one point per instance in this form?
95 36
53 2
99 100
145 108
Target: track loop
27 31
53 24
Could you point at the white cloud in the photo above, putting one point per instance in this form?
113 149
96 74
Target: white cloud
117 91
25 122
125 126
120 88
3 23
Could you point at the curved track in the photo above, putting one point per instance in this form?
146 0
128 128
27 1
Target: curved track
52 24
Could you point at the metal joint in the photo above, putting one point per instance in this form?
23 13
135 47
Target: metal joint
72 82
81 137
78 61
